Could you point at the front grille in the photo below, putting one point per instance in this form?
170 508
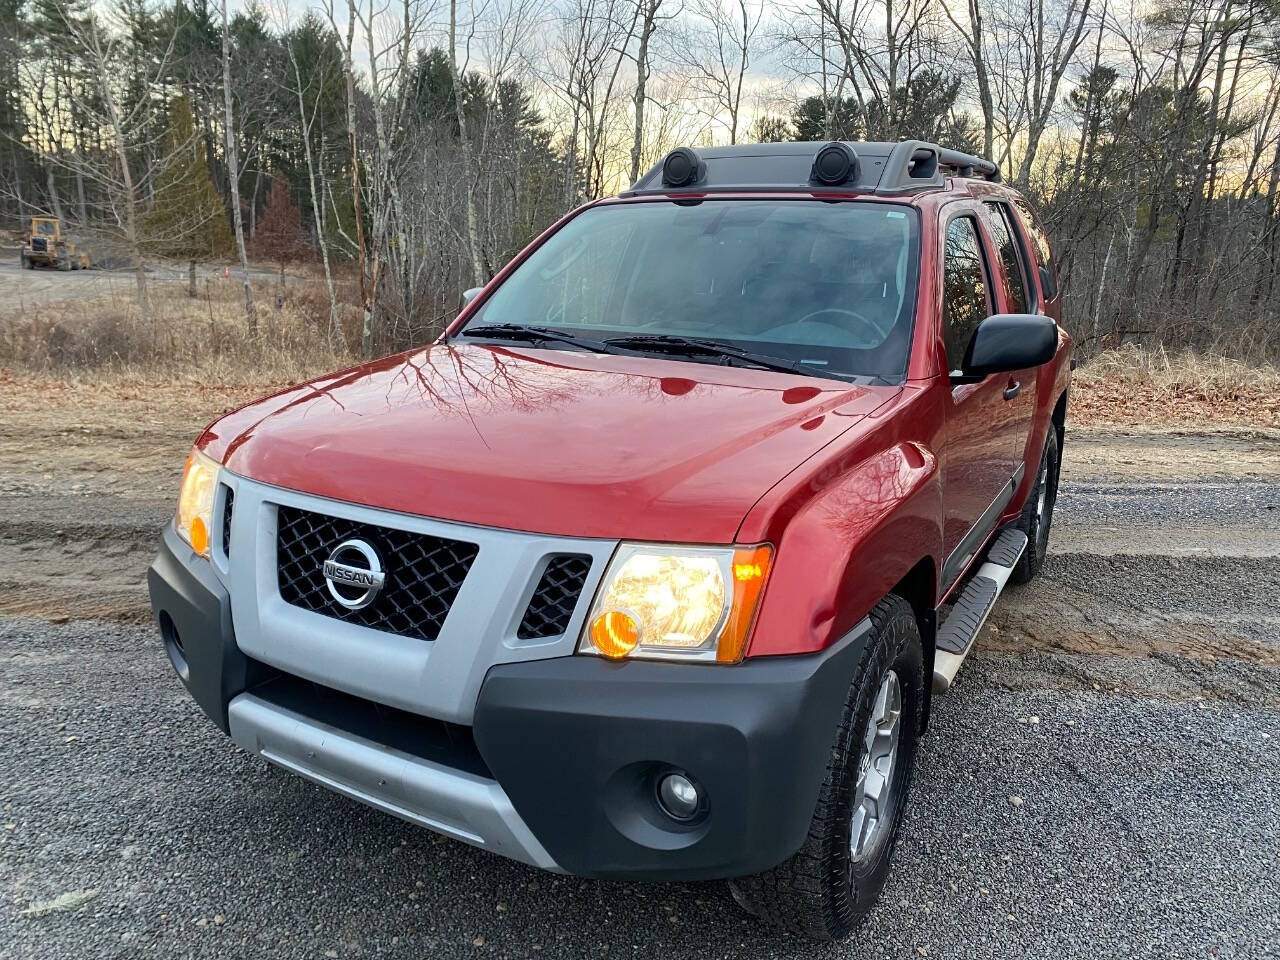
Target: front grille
423 573
553 602
39 245
227 504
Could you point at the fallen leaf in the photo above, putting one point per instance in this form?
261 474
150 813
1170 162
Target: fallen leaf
60 904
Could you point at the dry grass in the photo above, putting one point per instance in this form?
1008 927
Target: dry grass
199 347
66 401
1131 386
205 337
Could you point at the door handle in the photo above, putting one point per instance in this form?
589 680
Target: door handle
1014 388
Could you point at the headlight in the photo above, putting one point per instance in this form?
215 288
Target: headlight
676 602
195 502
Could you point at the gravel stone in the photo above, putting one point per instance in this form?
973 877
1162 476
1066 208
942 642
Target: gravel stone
1149 828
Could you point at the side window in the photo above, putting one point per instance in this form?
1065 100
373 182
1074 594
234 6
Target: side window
1041 241
964 288
1010 256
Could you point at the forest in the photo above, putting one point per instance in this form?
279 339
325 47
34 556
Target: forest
404 150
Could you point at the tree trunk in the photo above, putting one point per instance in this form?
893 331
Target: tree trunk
1180 272
335 323
80 200
191 279
473 232
54 201
349 69
233 174
385 187
253 203
1045 88
17 178
1271 235
984 84
642 77
132 237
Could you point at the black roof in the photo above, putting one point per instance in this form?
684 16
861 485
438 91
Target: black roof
883 168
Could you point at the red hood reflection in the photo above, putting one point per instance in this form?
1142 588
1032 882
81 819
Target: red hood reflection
544 440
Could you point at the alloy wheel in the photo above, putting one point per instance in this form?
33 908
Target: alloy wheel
873 793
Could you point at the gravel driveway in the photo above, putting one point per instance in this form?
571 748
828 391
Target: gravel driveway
1103 779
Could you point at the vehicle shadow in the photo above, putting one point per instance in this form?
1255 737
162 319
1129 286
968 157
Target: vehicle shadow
372 880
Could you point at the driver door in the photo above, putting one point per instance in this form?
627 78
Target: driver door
979 461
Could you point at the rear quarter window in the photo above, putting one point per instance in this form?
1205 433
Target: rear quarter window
1007 248
1039 239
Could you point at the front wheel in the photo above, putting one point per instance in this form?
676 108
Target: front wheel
825 889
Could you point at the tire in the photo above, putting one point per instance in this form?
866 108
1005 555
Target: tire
823 891
1037 513
26 262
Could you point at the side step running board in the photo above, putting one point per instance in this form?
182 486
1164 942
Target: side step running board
956 635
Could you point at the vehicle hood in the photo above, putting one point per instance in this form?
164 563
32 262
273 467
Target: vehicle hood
544 440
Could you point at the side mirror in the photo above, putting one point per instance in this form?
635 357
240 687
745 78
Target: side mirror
1048 283
1010 341
471 294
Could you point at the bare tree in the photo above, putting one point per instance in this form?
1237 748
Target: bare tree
876 54
464 140
974 36
648 16
306 122
233 175
593 41
1052 44
717 49
96 46
353 146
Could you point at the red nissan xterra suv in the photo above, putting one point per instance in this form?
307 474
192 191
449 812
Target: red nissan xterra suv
649 567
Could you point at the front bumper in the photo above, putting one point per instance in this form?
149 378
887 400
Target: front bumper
462 804
559 766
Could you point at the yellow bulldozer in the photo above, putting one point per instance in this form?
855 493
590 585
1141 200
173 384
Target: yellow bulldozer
46 246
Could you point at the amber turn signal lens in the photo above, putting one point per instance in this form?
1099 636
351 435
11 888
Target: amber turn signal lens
750 571
194 517
615 634
199 536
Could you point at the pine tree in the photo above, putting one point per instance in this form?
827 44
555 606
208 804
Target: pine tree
188 221
280 236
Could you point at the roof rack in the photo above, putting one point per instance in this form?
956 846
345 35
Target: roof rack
881 168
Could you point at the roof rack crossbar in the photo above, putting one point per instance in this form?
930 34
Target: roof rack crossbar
967 161
917 164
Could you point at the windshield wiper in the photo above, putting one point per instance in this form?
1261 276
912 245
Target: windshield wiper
528 333
672 343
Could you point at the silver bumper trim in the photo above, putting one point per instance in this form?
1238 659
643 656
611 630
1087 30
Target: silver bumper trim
457 804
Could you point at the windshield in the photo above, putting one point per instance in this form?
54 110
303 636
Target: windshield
827 286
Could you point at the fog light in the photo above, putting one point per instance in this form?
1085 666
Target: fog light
678 796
